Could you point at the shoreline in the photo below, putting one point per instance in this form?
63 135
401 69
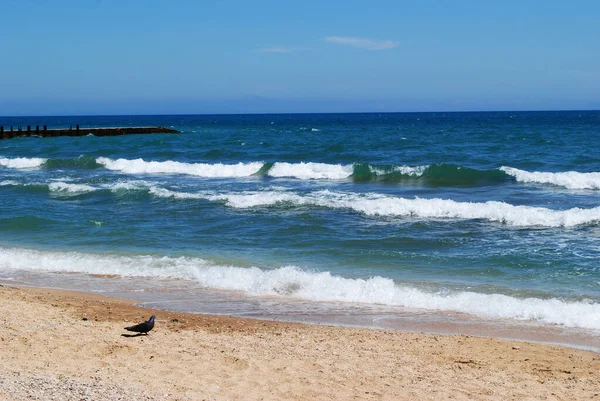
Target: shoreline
51 352
166 298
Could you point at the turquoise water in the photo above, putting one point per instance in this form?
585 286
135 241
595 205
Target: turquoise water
496 215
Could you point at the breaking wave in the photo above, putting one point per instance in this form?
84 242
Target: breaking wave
139 166
568 179
21 162
310 171
390 206
436 175
71 188
291 281
447 175
61 187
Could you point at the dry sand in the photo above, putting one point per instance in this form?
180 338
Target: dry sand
69 346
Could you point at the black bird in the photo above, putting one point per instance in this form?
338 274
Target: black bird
142 327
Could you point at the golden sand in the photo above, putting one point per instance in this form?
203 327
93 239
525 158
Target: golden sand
57 345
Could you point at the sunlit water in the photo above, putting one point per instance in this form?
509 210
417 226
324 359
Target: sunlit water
368 219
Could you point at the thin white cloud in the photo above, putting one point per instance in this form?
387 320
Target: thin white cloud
362 43
274 49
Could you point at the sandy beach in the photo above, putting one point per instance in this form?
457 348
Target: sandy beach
58 345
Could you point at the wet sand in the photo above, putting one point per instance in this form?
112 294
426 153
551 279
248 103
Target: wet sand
63 345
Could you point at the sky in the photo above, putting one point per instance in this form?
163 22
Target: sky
74 57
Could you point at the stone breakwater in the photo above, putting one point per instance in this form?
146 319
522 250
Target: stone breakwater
15 132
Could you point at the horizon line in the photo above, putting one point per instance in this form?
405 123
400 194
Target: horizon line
301 113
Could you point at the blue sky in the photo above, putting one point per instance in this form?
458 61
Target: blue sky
169 57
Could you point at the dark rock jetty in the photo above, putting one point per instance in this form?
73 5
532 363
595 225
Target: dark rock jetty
14 132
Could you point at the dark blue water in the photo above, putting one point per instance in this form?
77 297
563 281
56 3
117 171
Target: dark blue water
492 214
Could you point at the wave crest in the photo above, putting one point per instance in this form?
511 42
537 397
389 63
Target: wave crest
139 166
385 205
22 162
568 179
310 171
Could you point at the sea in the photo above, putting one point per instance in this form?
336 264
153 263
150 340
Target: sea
482 223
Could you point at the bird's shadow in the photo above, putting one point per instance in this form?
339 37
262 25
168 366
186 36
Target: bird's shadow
134 335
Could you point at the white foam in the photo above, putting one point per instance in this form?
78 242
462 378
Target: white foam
494 211
139 166
415 171
248 200
240 201
311 171
131 266
166 193
290 281
128 185
568 179
70 188
64 186
8 183
303 171
385 205
22 162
